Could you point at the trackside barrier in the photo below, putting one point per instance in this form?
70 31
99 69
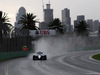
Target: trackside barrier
86 48
16 54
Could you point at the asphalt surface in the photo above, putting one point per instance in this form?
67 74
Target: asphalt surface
70 63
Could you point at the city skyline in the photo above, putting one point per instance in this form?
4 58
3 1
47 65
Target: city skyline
88 8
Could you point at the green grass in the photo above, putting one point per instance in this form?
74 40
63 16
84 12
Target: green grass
97 57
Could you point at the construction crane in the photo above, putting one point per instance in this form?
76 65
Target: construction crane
43 4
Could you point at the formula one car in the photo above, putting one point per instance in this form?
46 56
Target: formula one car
39 56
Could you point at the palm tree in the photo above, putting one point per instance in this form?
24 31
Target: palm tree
5 27
28 21
82 29
56 24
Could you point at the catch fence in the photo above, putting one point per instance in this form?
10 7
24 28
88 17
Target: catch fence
16 45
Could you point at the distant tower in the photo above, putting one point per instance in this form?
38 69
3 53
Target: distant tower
66 19
90 23
79 18
48 17
21 11
96 25
48 14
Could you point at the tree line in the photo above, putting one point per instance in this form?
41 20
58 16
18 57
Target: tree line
28 22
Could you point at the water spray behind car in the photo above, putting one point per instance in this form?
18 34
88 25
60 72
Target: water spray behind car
51 46
59 45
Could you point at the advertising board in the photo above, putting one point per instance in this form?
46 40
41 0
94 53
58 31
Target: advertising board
42 32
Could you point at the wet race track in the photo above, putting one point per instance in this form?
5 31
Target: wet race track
70 63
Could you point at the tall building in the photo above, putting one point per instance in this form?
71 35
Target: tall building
21 11
96 25
66 20
79 18
48 17
48 14
90 23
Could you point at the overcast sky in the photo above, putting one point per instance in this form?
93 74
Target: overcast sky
89 8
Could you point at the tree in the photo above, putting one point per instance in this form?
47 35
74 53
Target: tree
5 27
82 29
28 21
56 24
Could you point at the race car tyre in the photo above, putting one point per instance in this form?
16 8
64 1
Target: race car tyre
43 57
35 57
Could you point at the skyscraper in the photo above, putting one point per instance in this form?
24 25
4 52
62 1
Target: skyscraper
48 14
90 23
21 11
66 19
48 17
79 18
96 25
